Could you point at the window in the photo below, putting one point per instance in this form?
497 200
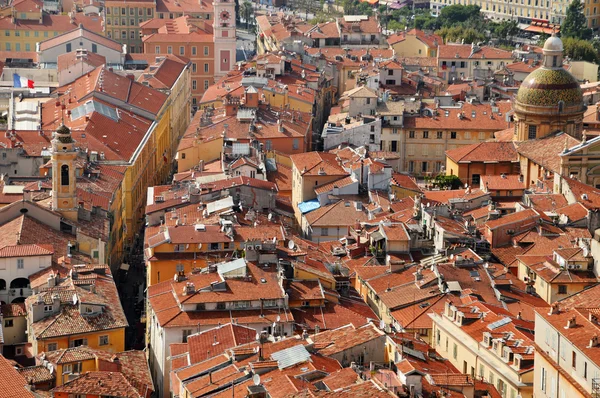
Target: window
124 34
585 370
368 101
179 248
205 68
181 50
467 135
157 50
324 231
8 323
95 254
103 340
27 47
169 50
424 167
132 22
532 132
132 36
8 47
94 48
194 85
131 11
48 308
185 334
77 342
206 84
20 263
194 50
425 134
123 11
554 61
574 360
268 145
543 384
214 246
51 347
453 135
562 289
411 134
439 135
205 50
411 166
295 144
221 306
194 67
454 351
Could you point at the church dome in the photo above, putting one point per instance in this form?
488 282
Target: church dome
553 43
546 87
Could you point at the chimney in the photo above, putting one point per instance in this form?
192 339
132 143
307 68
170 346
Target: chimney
571 323
593 341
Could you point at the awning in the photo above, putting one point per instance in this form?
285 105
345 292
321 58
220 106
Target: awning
539 27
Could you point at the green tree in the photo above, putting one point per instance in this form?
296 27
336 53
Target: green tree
456 14
580 50
575 24
505 30
460 34
246 10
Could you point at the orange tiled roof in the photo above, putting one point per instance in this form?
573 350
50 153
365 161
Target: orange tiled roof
484 151
81 32
12 384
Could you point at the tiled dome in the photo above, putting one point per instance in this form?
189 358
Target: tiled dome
546 87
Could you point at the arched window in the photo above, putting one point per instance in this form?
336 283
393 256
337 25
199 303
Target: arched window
64 175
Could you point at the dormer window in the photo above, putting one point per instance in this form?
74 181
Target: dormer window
89 310
48 308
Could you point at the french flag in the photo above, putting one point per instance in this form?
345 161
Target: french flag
22 82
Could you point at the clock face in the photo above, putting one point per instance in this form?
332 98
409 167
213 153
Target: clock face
225 15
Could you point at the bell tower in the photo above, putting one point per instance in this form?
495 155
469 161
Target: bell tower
224 36
64 194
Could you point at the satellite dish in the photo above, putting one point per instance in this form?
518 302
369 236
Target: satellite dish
291 245
278 318
381 324
270 217
51 368
274 325
256 379
175 278
466 185
257 336
199 245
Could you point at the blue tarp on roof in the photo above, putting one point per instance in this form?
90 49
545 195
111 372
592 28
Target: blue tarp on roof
308 206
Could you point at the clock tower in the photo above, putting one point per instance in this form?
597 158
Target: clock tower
224 36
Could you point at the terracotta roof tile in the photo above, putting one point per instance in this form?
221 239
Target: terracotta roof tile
546 151
36 374
218 340
12 383
69 320
81 33
484 152
344 338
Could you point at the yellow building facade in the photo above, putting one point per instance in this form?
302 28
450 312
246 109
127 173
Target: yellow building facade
123 19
